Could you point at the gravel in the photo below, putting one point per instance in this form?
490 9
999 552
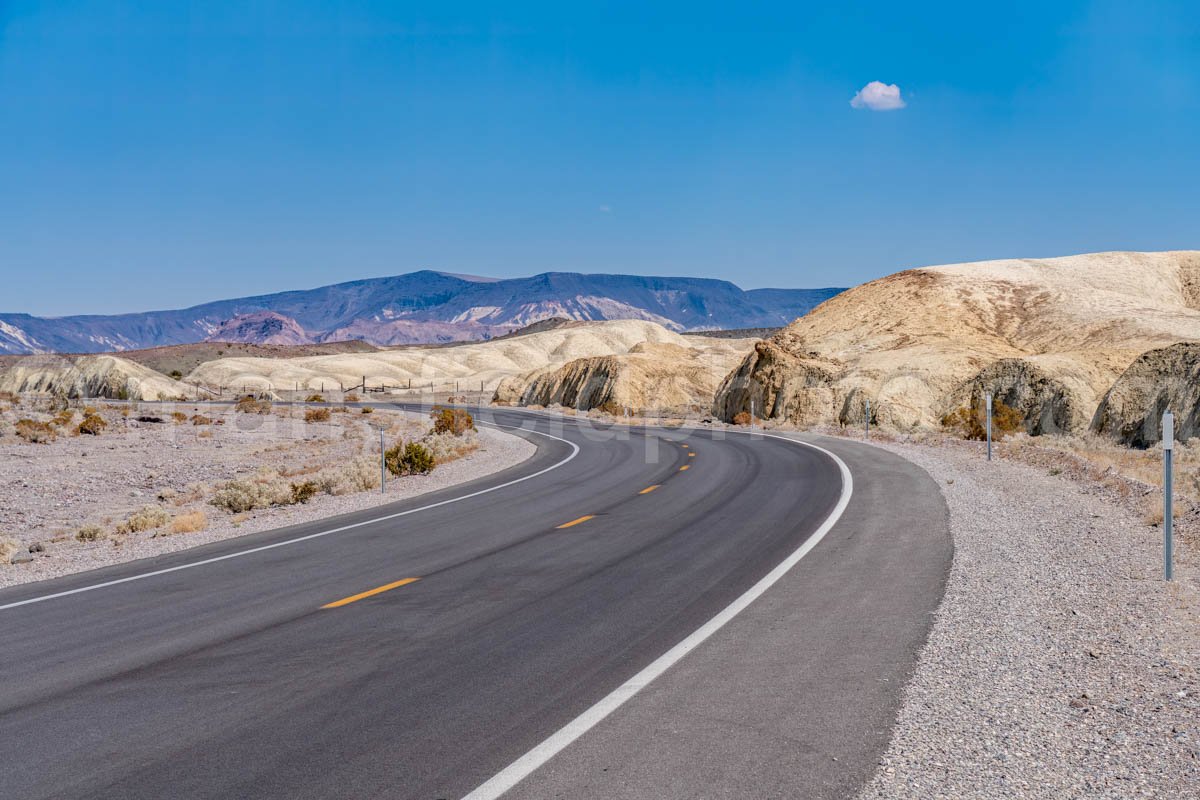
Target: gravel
1060 665
47 492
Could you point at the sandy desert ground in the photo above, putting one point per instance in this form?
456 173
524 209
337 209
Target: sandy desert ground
145 488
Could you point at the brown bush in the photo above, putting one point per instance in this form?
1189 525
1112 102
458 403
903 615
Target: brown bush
179 417
451 420
252 405
92 425
316 415
368 410
742 418
35 432
314 398
303 492
144 519
970 423
200 419
351 398
63 418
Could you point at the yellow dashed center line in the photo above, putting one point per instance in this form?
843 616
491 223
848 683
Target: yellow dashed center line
691 455
584 518
650 489
684 467
369 593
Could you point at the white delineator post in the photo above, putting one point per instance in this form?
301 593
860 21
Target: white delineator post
1168 443
988 403
382 465
867 421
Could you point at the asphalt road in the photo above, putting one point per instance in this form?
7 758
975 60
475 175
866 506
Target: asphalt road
260 675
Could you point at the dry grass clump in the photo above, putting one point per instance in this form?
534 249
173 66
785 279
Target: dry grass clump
63 418
316 415
303 492
742 418
91 425
452 420
357 475
144 519
189 522
351 398
265 490
314 398
368 410
179 417
35 432
90 533
445 447
200 419
8 546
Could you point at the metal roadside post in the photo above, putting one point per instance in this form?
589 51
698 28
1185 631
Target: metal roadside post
1168 443
867 421
382 464
988 403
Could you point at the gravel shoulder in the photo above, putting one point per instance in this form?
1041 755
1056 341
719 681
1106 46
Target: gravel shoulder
1060 664
48 491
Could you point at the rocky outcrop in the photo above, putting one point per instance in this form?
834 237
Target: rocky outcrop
1165 378
659 378
260 327
90 376
1047 336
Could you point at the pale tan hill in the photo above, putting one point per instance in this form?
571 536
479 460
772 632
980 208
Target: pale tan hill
89 376
476 363
651 377
1047 336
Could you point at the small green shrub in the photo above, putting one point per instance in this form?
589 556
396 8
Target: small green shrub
408 459
368 410
175 375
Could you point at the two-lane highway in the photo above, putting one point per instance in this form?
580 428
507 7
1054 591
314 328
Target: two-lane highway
413 650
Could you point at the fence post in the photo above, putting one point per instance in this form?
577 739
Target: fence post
1168 441
988 403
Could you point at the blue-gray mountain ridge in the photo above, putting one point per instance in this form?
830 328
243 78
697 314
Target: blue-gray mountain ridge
419 307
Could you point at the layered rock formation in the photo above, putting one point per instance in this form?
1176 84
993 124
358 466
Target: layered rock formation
1046 336
659 378
90 376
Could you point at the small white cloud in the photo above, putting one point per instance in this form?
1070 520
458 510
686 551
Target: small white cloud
878 96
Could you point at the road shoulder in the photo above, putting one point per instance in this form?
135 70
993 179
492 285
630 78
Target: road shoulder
798 694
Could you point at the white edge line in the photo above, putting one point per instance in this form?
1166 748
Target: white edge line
372 521
524 766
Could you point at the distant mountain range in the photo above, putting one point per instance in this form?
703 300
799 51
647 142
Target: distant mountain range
420 307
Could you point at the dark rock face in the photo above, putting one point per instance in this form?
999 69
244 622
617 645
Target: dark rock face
1166 378
419 307
775 383
1046 403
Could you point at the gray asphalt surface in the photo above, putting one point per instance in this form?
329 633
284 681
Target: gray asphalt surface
230 680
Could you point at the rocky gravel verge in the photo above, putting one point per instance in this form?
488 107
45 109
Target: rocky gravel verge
1060 665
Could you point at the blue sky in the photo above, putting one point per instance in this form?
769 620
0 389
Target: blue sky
163 154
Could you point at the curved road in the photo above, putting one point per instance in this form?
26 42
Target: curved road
264 666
